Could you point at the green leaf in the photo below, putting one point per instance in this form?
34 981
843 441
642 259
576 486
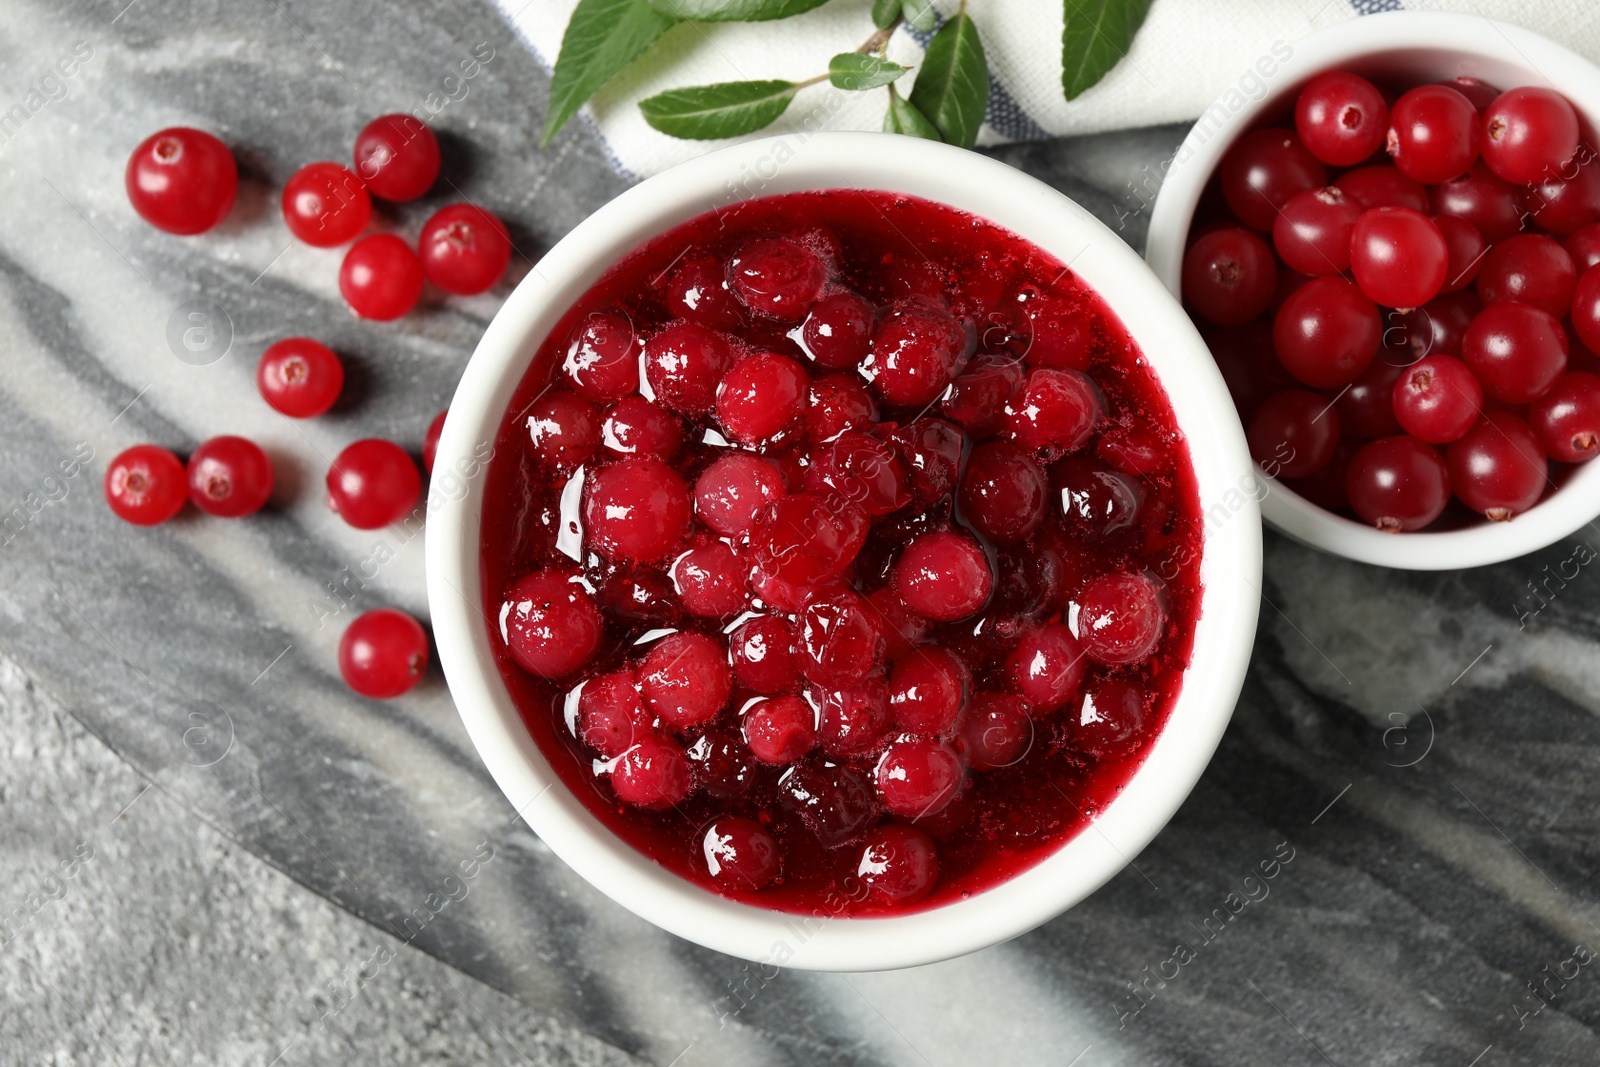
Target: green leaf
920 14
733 10
884 12
728 109
856 72
602 38
952 89
1097 34
903 118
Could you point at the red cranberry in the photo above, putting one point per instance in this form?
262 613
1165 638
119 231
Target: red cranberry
1437 328
1433 133
563 429
1528 133
839 640
763 650
1397 484
373 483
1003 492
1567 418
917 777
636 509
1586 308
299 377
932 452
801 540
611 717
837 332
899 865
1229 276
684 364
1479 92
837 402
654 773
781 730
851 720
430 440
1399 257
1583 245
685 679
944 576
760 399
1327 333
229 477
1516 350
1312 232
1341 118
1366 408
602 360
998 731
739 853
861 469
1110 720
464 249
1383 186
146 485
1325 488
699 292
927 690
1096 503
1464 248
397 156
1048 667
1565 202
1248 363
1121 617
1135 449
710 580
1059 330
1056 409
978 398
720 764
636 427
381 278
1529 268
833 802
903 629
1293 435
1437 399
736 488
383 653
916 353
777 276
550 624
182 180
638 595
1498 468
1263 170
1492 205
325 205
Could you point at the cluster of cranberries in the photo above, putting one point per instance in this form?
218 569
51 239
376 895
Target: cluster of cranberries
819 558
1420 325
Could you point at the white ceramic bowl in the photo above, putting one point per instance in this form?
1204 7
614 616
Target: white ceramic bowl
1403 47
1230 564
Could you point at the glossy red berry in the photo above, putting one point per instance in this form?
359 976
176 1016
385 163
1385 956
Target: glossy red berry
1437 399
1048 667
602 359
653 774
1498 468
711 580
1586 307
1229 275
838 330
1327 333
146 485
636 509
698 292
840 642
1399 257
944 576
1528 133
1003 492
978 398
1479 92
683 365
1464 247
862 469
550 624
1366 408
299 377
1108 723
777 276
1567 418
373 483
734 489
464 249
611 716
1529 268
397 156
1433 133
1312 232
852 719
763 650
998 731
761 398
837 402
927 690
685 679
383 653
1517 351
1491 204
1583 245
1341 118
182 180
1568 200
1263 170
803 541
899 865
325 205
1293 434
1383 186
1438 327
916 353
739 853
229 477
563 430
780 730
1121 617
381 278
918 777
635 427
1397 484
1055 410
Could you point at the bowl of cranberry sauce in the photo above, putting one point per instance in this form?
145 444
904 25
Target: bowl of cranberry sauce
1390 254
826 562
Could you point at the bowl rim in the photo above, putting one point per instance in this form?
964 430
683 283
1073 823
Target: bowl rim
1230 565
1478 46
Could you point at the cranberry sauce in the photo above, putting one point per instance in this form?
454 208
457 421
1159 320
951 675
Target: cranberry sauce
841 552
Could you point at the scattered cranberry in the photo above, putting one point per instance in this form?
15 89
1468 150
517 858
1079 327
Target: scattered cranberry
1048 667
381 278
654 773
685 679
761 397
916 353
1567 418
229 477
146 485
1327 333
1528 133
1263 171
611 716
739 853
397 156
998 731
1312 233
734 489
1517 351
1529 269
1397 484
1294 434
1399 257
373 483
464 249
1437 399
917 777
683 364
1498 468
383 653
182 180
602 360
781 730
1121 617
325 205
299 377
636 427
636 509
1229 276
899 865
1341 118
837 332
777 276
1433 133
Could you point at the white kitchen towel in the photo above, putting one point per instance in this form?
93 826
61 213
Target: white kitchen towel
1187 53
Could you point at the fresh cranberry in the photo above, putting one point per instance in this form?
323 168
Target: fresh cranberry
931 449
383 653
1312 232
1583 245
1433 133
734 489
777 276
761 397
1229 275
1059 331
1439 326
146 485
1567 418
1383 186
397 156
1517 351
381 278
1567 201
550 624
899 865
763 651
1327 333
636 427
1498 468
430 440
1528 133
1003 492
1479 92
781 730
739 853
1263 171
944 576
564 430
998 731
685 679
1110 720
833 802
611 717
1366 408
861 469
464 249
683 364
839 640
720 764
1397 484
229 477
1437 399
1529 268
602 360
927 690
1586 308
654 773
1096 503
182 180
852 719
710 580
325 205
1464 248
1048 667
838 331
373 483
836 403
801 540
1249 366
917 777
1399 257
978 398
1491 204
299 377
699 293
1121 617
916 353
636 509
1293 435
1341 118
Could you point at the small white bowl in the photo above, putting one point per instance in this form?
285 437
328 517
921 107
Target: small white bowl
1404 47
1230 565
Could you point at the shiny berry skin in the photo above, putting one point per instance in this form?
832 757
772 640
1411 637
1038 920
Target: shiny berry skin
229 477
1366 408
838 331
683 364
373 483
1108 722
927 690
464 249
836 403
636 509
777 276
1399 257
734 489
1325 488
1517 351
840 643
636 427
549 623
1433 133
602 360
698 292
1249 366
801 540
978 398
564 430
780 730
684 679
1293 434
998 731
1341 118
720 764
1003 492
1586 307
711 580
899 865
852 719
739 853
1566 201
1480 93
1097 503
763 651
1529 268
1058 330
1464 248
299 377
931 449
611 717
383 653
1528 133
1491 204
1437 399
944 576
1583 245
1498 468
1397 484
1438 327
761 397
1567 418
182 180
325 205
1121 617
862 469
653 774
903 629
917 777
1312 232
381 278
1327 333
397 156
1263 171
833 802
1048 667
146 485
916 353
1383 186
1229 275
1055 409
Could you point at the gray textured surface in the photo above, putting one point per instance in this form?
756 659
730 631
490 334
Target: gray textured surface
288 826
